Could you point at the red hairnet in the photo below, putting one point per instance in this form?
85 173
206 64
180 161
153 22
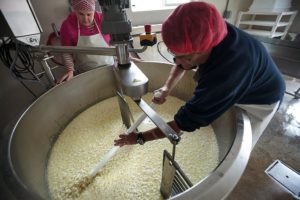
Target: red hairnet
193 27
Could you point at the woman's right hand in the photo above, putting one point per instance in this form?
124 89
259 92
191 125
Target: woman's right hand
66 77
160 95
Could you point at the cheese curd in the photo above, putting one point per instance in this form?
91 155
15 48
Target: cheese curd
135 171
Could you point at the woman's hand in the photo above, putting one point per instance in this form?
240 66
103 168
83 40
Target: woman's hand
66 77
126 139
136 60
160 95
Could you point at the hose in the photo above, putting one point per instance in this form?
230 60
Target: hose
21 64
160 53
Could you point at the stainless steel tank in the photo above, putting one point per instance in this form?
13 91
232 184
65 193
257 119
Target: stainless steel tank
37 129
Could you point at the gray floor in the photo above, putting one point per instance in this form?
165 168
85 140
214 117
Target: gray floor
280 140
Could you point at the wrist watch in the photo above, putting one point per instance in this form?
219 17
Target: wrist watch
140 138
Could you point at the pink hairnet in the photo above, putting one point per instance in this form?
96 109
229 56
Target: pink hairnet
193 27
83 5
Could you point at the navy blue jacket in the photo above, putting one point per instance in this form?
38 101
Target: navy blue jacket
239 70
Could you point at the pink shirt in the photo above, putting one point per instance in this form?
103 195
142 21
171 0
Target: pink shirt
69 31
69 35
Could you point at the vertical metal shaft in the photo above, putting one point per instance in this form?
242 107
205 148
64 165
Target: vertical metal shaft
122 54
48 71
173 151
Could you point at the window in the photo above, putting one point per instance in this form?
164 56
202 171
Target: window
138 5
174 2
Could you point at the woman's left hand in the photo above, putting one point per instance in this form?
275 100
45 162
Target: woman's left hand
66 77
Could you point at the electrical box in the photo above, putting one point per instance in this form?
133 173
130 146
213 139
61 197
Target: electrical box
18 20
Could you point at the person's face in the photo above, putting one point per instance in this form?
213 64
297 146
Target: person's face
189 61
85 18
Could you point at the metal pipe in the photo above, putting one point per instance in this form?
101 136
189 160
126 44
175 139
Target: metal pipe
48 71
55 30
122 54
138 50
133 82
105 51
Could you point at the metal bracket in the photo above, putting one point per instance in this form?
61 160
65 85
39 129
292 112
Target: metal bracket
125 111
159 122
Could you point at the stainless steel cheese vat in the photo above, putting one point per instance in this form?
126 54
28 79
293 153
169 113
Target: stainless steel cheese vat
35 132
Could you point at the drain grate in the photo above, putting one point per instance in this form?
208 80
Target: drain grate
287 177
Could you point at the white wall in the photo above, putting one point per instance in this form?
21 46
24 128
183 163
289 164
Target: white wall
241 5
296 25
54 11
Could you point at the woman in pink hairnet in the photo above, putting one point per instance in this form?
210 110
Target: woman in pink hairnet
233 69
82 28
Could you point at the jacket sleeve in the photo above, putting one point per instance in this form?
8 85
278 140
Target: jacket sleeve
218 89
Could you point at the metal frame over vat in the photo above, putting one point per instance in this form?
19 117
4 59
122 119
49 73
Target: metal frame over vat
37 129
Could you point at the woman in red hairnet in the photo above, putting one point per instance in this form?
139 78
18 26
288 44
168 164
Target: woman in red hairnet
233 69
